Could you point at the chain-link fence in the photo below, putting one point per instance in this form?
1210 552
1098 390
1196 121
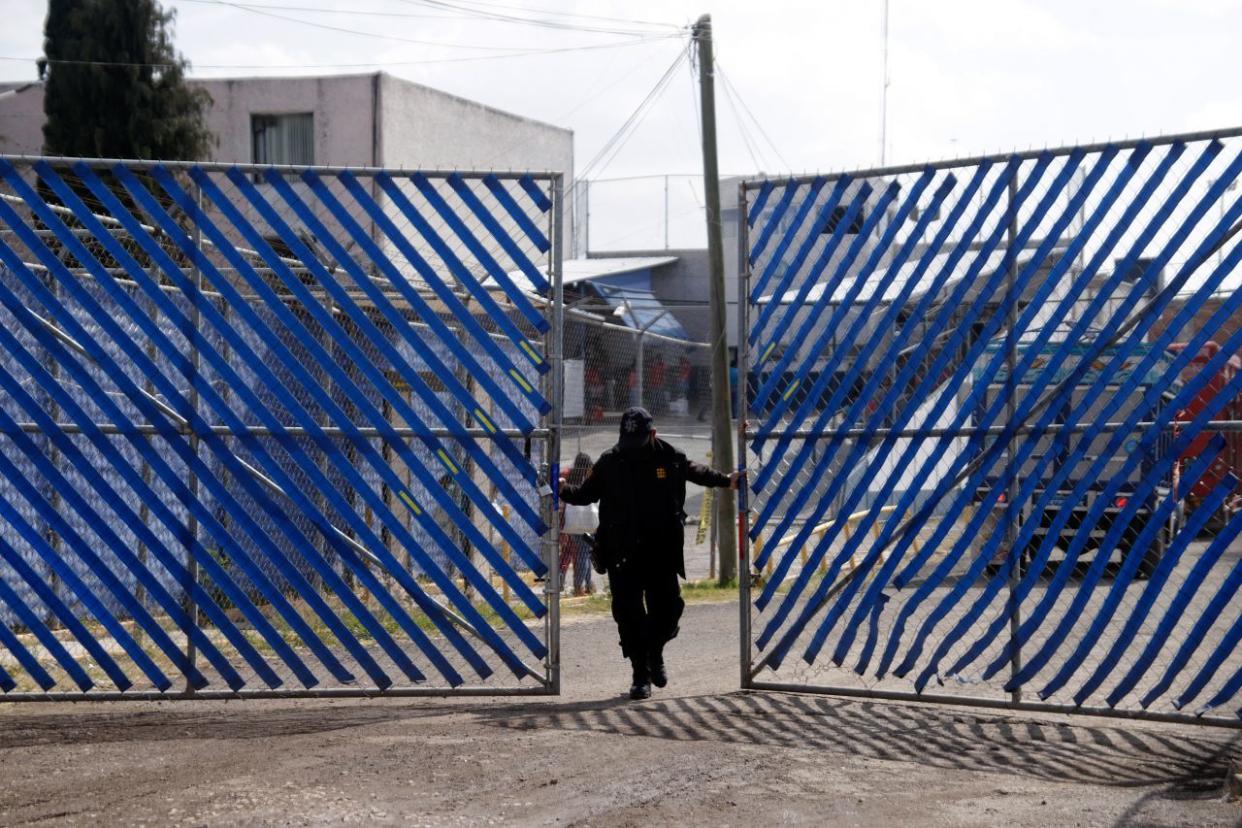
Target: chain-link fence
275 431
610 367
992 412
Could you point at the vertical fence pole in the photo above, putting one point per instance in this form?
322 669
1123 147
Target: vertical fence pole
743 363
1011 390
191 523
557 381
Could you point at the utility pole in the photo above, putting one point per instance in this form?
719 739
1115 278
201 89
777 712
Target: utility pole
722 421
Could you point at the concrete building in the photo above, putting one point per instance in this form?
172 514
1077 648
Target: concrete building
371 120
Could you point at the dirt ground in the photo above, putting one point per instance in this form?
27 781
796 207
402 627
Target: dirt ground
698 753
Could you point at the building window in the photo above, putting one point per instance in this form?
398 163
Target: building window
283 139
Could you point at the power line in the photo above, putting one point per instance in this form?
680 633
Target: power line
575 15
262 12
751 148
733 90
370 64
614 144
488 14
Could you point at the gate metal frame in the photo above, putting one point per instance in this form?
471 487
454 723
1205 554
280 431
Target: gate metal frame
548 430
749 668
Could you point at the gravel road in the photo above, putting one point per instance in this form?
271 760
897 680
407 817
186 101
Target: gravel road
698 753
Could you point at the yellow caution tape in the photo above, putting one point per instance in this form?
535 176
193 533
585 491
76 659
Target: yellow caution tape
409 501
521 380
448 461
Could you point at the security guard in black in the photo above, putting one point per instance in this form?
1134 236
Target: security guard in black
640 485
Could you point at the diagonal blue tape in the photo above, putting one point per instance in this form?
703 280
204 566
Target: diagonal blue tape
313 308
361 570
505 200
110 410
932 376
1058 524
1145 540
1080 327
934 329
1225 649
472 532
773 222
1055 276
138 355
498 274
402 326
536 195
166 557
1177 325
814 313
1155 584
792 268
285 566
992 283
1220 601
1037 302
62 613
462 394
463 274
57 564
445 294
24 657
1174 613
761 201
485 217
791 232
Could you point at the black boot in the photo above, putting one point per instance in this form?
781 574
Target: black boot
640 684
655 666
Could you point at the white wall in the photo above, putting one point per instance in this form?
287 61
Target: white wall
21 119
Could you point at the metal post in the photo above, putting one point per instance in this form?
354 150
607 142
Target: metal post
1011 387
722 419
743 362
191 523
638 376
556 378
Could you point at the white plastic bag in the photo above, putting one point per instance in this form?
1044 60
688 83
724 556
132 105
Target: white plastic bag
580 520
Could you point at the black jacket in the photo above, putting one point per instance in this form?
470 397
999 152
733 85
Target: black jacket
642 496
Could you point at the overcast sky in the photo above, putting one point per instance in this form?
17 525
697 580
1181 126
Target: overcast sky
966 76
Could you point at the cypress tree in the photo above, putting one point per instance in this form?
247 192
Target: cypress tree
115 85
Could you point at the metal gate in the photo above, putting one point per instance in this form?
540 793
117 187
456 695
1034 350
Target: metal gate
995 411
275 431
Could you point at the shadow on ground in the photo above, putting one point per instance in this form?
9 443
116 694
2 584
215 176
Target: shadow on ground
1118 755
1188 759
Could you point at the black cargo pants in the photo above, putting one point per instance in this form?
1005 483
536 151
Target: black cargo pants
647 606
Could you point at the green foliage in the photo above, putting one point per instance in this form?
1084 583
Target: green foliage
141 110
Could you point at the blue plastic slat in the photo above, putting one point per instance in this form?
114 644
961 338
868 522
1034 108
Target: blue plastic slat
787 238
774 221
468 281
313 307
401 325
1190 588
497 189
536 195
1056 276
347 553
1141 611
761 201
159 509
60 611
498 274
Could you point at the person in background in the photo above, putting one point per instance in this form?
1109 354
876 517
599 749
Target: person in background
640 485
575 545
